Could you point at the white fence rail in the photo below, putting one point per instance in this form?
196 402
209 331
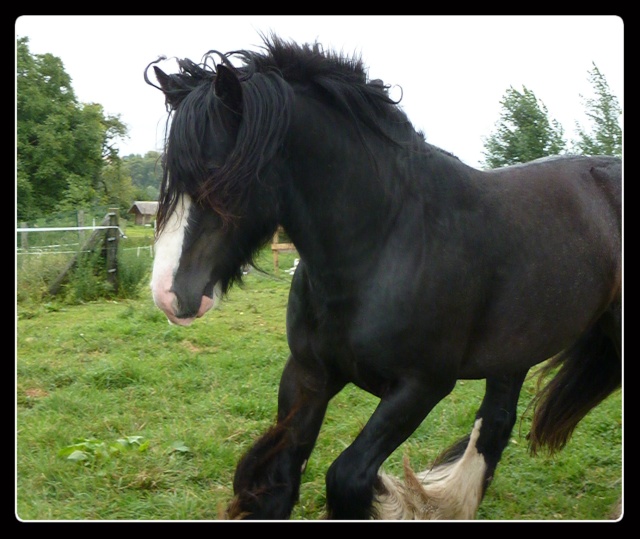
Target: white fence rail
56 248
71 248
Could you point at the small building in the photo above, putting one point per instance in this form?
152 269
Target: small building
144 211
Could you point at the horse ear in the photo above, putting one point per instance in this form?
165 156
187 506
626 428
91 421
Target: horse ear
173 92
227 87
163 78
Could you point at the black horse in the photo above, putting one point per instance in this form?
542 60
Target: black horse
416 271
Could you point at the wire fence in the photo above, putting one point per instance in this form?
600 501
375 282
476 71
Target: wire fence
48 247
66 233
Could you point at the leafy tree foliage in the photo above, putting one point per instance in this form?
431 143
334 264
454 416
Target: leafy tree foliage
145 174
604 112
117 188
62 146
524 131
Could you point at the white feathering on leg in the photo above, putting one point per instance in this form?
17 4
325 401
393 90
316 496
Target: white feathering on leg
450 491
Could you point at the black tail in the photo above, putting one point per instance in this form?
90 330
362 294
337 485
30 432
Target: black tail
590 371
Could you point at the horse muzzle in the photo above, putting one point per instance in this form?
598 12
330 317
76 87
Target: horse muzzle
178 312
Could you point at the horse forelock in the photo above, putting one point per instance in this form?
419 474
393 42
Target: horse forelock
182 165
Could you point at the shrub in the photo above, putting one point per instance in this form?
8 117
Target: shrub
88 280
134 268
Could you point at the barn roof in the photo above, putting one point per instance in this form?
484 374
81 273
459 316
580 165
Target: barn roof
144 207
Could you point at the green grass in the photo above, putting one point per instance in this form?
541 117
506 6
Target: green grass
189 401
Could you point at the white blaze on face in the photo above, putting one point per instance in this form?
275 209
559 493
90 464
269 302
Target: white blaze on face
168 248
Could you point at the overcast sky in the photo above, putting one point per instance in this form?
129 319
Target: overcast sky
453 70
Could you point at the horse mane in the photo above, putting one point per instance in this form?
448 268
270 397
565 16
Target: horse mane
342 80
266 77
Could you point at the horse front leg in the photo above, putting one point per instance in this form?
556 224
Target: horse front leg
455 485
267 479
352 478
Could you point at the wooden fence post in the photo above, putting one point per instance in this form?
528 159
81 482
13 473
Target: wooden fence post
24 241
276 254
80 221
111 247
276 247
89 245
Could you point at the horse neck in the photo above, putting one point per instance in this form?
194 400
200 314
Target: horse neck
340 199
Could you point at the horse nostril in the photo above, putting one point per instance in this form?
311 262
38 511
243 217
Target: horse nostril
182 311
175 307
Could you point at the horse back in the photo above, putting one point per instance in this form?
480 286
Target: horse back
607 174
578 187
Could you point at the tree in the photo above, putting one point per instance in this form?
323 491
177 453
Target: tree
604 112
62 145
44 99
118 187
145 173
524 131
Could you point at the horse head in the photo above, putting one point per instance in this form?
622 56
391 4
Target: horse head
197 257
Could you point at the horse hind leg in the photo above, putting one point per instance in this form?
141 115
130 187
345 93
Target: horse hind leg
454 486
450 490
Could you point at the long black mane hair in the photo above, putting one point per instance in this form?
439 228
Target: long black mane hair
265 111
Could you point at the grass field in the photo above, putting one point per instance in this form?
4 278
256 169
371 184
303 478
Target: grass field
121 416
